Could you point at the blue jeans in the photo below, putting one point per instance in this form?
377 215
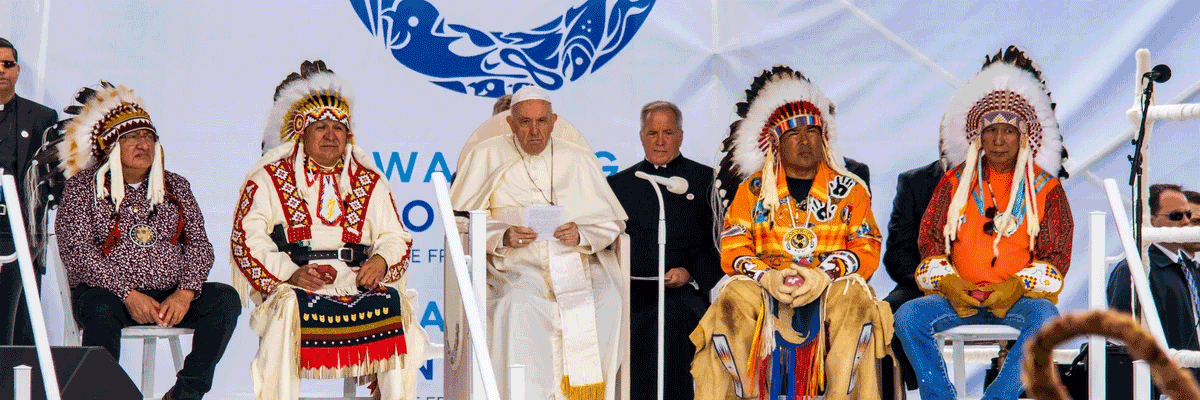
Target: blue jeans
918 320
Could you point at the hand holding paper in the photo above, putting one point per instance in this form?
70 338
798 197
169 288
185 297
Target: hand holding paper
568 233
545 220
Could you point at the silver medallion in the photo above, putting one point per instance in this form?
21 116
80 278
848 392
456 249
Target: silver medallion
142 235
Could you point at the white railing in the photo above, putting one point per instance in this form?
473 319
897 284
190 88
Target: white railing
1169 112
1098 348
484 379
1141 286
33 300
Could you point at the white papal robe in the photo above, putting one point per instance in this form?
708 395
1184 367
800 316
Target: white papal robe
554 308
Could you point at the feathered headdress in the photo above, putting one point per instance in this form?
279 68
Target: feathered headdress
314 94
104 114
1009 89
778 99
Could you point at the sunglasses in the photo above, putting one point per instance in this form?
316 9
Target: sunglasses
989 227
1178 215
8 64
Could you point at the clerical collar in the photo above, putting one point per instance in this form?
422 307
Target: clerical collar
10 105
674 161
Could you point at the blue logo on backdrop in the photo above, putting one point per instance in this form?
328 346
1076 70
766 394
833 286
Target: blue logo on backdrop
490 64
609 170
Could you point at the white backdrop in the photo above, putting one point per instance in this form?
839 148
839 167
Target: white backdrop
207 71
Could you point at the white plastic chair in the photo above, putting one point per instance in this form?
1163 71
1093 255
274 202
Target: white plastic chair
149 336
959 337
349 392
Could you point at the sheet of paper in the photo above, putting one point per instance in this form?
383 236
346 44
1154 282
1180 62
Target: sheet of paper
544 220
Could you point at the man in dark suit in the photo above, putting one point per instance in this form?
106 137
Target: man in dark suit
691 254
1174 275
1193 198
23 124
914 188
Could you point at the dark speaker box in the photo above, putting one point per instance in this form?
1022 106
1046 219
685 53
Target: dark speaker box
83 373
1074 376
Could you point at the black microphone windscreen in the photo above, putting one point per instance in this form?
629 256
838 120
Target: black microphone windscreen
1162 73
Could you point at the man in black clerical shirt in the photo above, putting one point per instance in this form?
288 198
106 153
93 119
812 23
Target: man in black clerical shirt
22 124
691 254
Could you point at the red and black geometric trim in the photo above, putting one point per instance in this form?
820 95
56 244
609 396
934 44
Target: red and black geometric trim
254 271
294 207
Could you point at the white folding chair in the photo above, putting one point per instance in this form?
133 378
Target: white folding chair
349 392
989 337
149 336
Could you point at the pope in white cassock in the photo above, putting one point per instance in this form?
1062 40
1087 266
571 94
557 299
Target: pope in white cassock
553 298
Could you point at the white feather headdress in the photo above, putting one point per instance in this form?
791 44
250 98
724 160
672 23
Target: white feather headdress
1009 89
1013 73
313 94
775 96
104 114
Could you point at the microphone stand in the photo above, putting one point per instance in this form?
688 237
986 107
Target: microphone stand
662 273
1136 172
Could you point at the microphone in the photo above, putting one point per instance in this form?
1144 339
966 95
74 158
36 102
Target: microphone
1160 73
673 184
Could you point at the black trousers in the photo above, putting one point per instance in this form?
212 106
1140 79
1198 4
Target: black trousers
213 315
14 313
14 320
684 307
897 298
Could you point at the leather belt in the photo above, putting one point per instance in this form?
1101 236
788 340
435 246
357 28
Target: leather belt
351 254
